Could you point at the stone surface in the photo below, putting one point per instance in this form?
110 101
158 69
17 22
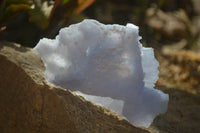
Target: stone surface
182 115
29 104
180 68
196 5
173 26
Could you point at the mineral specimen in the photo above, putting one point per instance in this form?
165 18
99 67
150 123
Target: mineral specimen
107 65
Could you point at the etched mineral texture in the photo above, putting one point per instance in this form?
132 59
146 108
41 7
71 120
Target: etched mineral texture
107 65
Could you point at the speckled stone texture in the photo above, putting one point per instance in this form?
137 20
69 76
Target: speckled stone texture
29 104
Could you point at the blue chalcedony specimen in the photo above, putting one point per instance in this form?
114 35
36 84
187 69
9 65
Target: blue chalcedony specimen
107 65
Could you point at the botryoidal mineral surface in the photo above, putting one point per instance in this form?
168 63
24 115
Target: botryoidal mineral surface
107 65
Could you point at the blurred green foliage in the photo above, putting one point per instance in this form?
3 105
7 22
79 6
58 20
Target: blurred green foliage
27 21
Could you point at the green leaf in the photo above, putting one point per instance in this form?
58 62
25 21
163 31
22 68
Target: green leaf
65 1
18 1
2 9
82 5
37 17
40 14
63 13
13 10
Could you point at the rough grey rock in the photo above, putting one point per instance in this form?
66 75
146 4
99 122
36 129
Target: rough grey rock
29 104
